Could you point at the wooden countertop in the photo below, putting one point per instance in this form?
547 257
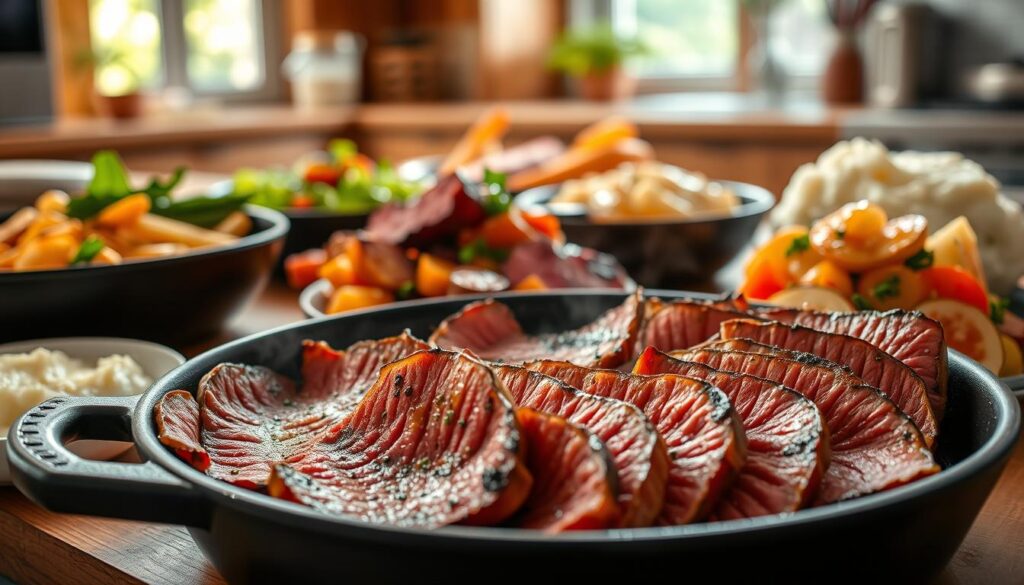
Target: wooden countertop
726 117
37 546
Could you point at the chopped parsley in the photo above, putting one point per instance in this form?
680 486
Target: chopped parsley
478 248
496 199
921 260
861 303
997 309
798 245
890 287
407 290
88 250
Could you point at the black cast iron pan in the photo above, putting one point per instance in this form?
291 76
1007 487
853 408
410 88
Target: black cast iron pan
905 534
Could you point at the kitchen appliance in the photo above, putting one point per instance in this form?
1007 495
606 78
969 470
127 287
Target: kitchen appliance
903 54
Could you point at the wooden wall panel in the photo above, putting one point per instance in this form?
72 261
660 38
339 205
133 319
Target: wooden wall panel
515 38
67 26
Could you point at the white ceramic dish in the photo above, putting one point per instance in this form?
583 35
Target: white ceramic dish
156 360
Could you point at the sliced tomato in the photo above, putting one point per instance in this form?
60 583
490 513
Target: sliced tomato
322 173
954 282
761 282
302 201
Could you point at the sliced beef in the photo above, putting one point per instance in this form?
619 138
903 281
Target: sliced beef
433 442
874 445
874 366
909 336
177 425
787 439
252 417
574 481
489 330
637 450
704 437
682 324
436 215
566 372
565 266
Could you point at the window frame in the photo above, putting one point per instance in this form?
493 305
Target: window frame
174 54
590 12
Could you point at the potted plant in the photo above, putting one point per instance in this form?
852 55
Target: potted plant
116 89
594 56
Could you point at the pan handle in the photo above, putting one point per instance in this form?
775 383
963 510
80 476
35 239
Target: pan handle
54 477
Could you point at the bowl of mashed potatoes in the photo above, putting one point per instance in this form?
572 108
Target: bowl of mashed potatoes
34 371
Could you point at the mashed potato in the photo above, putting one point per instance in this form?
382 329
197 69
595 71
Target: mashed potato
940 186
26 379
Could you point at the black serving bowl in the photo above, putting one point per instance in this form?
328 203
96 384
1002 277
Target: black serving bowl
670 253
903 535
174 300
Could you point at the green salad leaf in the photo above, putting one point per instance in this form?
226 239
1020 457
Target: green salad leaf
203 211
496 199
90 247
108 184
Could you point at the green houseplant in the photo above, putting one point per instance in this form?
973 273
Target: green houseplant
116 93
594 55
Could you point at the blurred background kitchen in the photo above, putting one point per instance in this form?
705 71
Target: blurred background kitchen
738 89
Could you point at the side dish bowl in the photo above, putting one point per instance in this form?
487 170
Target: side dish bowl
155 360
666 253
176 299
908 533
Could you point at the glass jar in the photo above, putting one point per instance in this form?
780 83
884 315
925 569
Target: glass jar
325 68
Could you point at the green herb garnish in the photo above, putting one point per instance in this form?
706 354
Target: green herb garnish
861 303
407 290
997 309
479 249
108 184
921 260
90 247
890 287
798 245
496 198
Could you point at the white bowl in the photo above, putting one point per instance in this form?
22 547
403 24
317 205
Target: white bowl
155 360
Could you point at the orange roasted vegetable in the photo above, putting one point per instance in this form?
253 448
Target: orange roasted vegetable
303 268
576 162
487 129
858 236
432 275
340 270
531 282
827 274
892 287
351 297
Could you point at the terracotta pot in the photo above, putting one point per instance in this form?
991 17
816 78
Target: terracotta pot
843 80
118 106
613 84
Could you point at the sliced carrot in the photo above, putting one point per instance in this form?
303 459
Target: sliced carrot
605 132
576 162
761 282
500 232
545 223
351 297
125 211
531 282
491 126
303 268
340 270
432 275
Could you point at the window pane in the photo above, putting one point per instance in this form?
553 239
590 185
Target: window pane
686 37
800 36
126 44
223 39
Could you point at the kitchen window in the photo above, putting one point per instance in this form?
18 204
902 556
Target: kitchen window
226 49
702 44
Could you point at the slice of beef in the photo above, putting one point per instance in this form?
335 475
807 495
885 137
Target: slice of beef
252 417
874 366
909 336
436 215
704 437
177 424
637 450
787 439
489 330
682 324
875 446
574 481
565 266
433 442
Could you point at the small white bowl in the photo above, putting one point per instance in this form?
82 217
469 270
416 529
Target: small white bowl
155 360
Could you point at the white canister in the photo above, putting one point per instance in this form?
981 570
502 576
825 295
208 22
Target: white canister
325 68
